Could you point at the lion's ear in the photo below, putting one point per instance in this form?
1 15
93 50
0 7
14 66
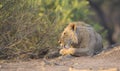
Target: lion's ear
73 26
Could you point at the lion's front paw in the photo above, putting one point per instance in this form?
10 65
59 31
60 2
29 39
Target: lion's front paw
67 51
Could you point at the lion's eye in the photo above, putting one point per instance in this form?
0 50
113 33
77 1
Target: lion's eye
64 33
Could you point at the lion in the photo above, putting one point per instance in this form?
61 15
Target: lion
65 51
82 37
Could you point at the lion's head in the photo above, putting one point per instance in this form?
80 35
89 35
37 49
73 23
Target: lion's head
68 36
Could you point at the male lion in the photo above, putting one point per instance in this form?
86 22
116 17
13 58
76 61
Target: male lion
82 37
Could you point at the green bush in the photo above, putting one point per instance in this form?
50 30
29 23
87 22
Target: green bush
29 28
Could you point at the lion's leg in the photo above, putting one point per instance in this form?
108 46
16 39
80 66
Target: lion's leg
83 52
91 52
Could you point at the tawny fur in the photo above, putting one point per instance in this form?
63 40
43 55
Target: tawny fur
67 51
82 37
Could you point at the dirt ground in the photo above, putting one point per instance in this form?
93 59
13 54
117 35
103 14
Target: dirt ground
105 60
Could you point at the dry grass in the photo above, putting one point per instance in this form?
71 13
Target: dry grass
27 36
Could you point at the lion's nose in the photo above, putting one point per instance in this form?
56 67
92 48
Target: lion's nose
59 41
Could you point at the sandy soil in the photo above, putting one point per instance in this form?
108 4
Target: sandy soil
108 59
